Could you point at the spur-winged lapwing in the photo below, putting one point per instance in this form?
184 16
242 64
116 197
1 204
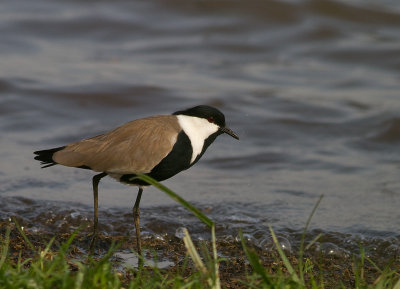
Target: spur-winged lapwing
158 146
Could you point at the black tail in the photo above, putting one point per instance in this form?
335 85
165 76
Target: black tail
46 156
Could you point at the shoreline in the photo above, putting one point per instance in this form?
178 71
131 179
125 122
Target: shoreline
234 267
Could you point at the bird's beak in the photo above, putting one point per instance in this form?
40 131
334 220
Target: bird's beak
227 130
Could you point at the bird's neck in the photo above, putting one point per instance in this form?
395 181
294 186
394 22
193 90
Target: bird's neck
198 130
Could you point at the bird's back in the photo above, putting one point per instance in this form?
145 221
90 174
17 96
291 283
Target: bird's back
135 147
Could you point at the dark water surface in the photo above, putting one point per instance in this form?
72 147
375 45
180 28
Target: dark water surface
311 87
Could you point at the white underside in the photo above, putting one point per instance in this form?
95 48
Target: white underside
198 130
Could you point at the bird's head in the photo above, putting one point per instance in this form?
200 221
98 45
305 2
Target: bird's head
209 119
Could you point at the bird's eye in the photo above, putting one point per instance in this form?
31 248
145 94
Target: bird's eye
210 119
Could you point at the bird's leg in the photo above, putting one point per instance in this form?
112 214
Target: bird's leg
136 217
96 179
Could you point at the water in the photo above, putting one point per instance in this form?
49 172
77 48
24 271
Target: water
311 87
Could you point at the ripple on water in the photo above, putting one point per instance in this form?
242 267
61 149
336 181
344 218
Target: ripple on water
389 131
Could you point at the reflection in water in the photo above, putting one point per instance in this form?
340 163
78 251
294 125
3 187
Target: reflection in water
130 260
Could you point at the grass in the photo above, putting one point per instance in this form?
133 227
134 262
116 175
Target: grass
54 265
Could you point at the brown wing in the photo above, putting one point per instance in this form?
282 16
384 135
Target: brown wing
135 147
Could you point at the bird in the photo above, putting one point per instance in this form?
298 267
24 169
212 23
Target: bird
159 146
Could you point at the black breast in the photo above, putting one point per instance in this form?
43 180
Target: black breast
176 161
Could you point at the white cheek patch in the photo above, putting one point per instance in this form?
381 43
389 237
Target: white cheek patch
198 130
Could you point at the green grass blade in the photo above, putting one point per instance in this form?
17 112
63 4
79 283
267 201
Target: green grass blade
193 252
313 241
217 283
177 198
285 260
255 262
397 286
4 249
303 237
212 279
20 229
309 219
